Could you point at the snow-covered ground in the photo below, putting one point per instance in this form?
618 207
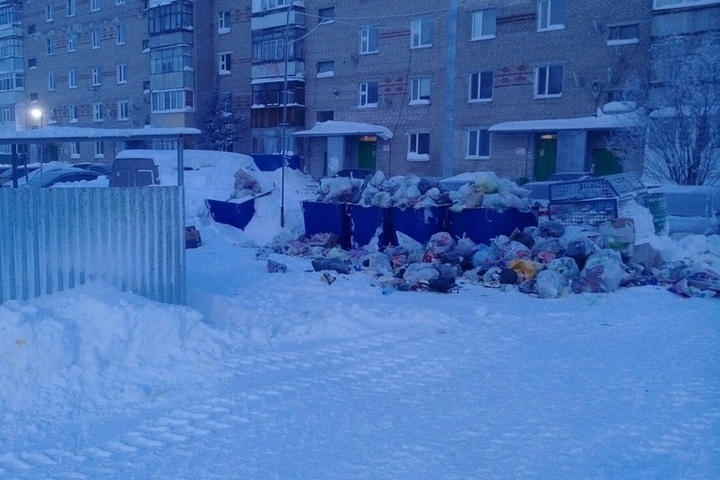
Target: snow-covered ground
283 376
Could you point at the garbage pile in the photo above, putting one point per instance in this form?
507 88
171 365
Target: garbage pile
547 261
412 191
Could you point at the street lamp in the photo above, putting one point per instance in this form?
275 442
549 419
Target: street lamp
284 112
38 115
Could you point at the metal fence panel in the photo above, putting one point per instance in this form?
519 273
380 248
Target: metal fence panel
53 239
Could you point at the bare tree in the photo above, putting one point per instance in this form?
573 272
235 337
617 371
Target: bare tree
677 127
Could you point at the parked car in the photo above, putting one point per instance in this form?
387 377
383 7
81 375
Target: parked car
691 209
101 168
51 177
23 172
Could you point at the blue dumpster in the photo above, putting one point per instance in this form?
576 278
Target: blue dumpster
481 225
418 223
322 217
232 213
367 223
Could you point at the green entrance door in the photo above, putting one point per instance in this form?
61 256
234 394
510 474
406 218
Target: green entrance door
606 163
366 154
545 156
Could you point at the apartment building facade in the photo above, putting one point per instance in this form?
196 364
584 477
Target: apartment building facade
521 87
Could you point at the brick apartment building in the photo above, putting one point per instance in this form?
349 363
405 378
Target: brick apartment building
521 87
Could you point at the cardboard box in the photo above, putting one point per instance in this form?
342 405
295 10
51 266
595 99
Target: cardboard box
618 234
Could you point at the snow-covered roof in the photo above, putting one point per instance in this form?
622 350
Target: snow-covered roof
68 134
337 128
600 122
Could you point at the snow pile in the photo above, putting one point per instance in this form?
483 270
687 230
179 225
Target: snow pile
94 342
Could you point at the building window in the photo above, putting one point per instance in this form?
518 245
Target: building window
96 79
121 73
325 115
120 37
7 114
49 13
660 4
270 93
99 149
224 22
551 14
481 87
52 115
72 78
145 45
72 42
33 96
98 112
95 38
94 5
173 59
73 113
50 44
418 146
420 91
11 47
326 69
623 34
368 94
478 144
119 2
32 63
421 33
548 81
70 8
225 63
123 110
31 29
483 24
268 46
74 149
268 4
171 17
369 39
326 14
51 81
171 100
13 81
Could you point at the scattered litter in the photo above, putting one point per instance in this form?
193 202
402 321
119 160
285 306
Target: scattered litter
276 267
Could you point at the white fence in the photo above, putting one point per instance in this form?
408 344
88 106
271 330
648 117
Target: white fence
53 239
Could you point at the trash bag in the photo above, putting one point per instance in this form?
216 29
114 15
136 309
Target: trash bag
515 250
508 277
524 268
276 267
551 228
549 284
418 272
491 278
552 245
485 257
580 250
565 266
604 269
441 242
334 264
522 237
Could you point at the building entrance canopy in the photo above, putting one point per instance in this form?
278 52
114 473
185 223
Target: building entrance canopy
335 128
